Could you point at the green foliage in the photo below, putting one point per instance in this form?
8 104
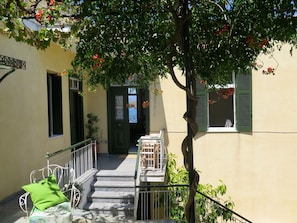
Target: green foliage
206 211
141 40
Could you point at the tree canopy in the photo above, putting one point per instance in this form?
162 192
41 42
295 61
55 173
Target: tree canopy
139 40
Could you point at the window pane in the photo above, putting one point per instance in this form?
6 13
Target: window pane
119 107
221 110
54 90
132 101
132 91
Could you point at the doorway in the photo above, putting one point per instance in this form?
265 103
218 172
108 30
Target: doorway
76 111
127 118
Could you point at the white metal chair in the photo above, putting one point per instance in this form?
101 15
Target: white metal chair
65 185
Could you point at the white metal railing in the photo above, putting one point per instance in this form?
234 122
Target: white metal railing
152 152
137 180
151 155
81 157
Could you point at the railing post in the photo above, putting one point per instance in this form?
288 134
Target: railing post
95 161
47 156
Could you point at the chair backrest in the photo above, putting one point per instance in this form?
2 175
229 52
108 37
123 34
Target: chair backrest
64 175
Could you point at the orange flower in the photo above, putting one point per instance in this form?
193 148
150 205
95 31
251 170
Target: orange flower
95 56
145 104
231 91
38 15
52 2
225 92
270 69
263 43
222 31
63 73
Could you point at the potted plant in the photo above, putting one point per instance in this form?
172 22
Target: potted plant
92 128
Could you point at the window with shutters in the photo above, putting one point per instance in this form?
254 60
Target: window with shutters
222 107
226 108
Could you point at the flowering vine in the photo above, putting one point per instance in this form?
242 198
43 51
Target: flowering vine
97 62
222 93
157 91
269 70
145 104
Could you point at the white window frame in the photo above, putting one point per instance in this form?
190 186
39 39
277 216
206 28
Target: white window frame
74 83
224 129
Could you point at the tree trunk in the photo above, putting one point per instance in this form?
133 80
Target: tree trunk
190 117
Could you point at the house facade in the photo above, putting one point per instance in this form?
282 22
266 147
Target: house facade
40 112
29 98
258 163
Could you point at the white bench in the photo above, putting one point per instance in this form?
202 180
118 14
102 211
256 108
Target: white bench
47 189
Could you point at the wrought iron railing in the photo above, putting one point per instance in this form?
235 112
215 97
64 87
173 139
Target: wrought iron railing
167 202
227 213
81 156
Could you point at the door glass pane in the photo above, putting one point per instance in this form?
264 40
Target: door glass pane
132 91
119 107
132 101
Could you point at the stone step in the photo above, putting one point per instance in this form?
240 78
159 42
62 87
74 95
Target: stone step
114 175
111 209
112 197
111 185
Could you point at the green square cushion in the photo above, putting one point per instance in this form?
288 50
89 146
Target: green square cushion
45 193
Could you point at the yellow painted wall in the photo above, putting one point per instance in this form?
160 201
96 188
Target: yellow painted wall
258 168
96 103
24 138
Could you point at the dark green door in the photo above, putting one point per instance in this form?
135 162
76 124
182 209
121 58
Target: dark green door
118 131
76 114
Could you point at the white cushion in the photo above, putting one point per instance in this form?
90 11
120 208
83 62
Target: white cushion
60 213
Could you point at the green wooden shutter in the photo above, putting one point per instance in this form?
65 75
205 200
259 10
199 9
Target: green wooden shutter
244 101
201 112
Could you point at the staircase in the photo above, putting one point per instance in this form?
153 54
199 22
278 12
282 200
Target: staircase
112 194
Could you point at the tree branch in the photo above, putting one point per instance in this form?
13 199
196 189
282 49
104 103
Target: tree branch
220 7
189 93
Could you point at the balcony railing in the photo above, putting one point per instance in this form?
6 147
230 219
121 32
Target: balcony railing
152 152
81 156
167 202
151 158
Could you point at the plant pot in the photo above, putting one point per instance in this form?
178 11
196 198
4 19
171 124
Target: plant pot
95 151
